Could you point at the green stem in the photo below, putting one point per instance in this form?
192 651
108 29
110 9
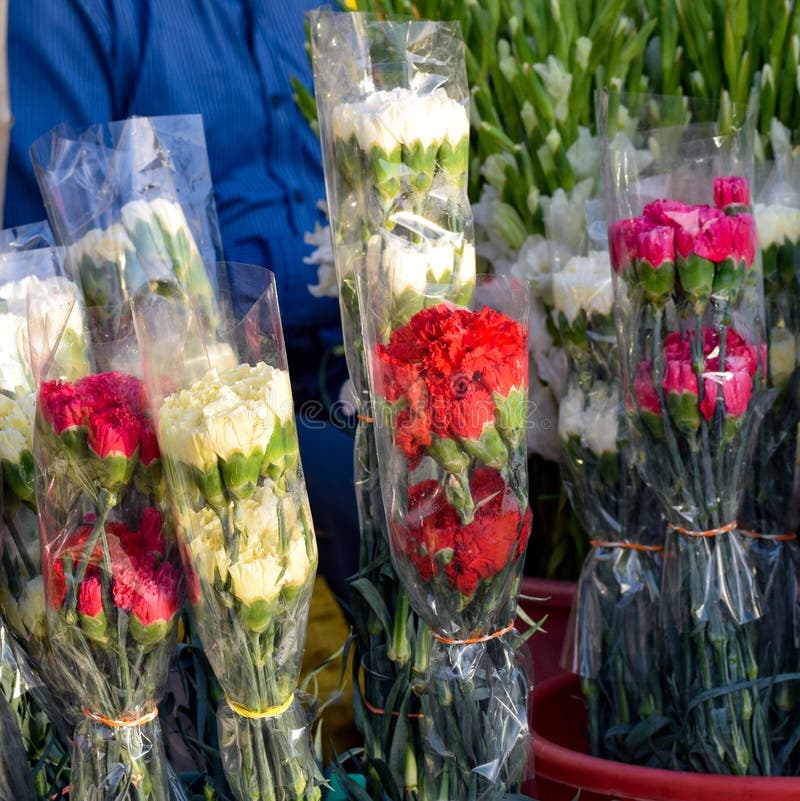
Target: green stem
106 502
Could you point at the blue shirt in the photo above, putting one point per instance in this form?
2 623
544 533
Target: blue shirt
89 61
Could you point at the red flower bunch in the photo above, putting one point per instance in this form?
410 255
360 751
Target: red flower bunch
438 544
681 384
453 375
142 583
102 416
710 246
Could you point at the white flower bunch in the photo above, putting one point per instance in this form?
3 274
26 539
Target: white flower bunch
229 412
776 224
16 426
592 418
50 300
262 568
584 285
386 120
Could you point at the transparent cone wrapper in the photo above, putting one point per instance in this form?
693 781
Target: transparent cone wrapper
690 321
15 778
112 587
613 642
771 500
133 203
225 420
392 100
37 271
448 376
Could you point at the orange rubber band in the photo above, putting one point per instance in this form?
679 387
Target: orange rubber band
628 546
472 640
757 535
376 711
710 533
365 419
122 723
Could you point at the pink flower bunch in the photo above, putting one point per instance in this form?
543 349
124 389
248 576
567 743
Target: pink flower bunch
709 247
680 383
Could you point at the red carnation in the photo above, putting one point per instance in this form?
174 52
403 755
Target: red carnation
437 542
470 414
113 431
55 583
148 443
90 594
413 433
493 539
61 405
430 534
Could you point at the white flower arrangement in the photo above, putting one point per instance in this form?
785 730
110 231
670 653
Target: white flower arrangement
776 224
584 285
592 418
228 411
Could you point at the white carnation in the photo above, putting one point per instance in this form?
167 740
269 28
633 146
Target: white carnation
584 285
602 421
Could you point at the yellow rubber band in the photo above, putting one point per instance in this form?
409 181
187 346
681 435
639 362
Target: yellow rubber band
269 712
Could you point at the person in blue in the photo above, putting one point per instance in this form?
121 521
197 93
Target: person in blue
88 61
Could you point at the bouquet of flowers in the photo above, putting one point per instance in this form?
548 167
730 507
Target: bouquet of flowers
392 103
29 273
770 511
112 192
225 424
449 388
690 323
616 646
111 583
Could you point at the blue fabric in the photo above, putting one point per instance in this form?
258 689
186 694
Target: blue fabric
89 61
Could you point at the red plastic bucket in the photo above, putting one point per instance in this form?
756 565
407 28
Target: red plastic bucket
563 767
546 646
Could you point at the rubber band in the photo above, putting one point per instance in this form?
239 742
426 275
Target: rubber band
365 419
269 712
472 640
123 722
376 711
712 532
627 546
757 535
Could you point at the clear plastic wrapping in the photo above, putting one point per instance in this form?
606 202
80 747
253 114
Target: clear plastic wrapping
612 641
132 202
225 422
112 587
392 100
449 390
690 322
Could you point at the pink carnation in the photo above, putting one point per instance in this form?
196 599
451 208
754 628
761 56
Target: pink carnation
656 245
731 191
644 389
680 377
